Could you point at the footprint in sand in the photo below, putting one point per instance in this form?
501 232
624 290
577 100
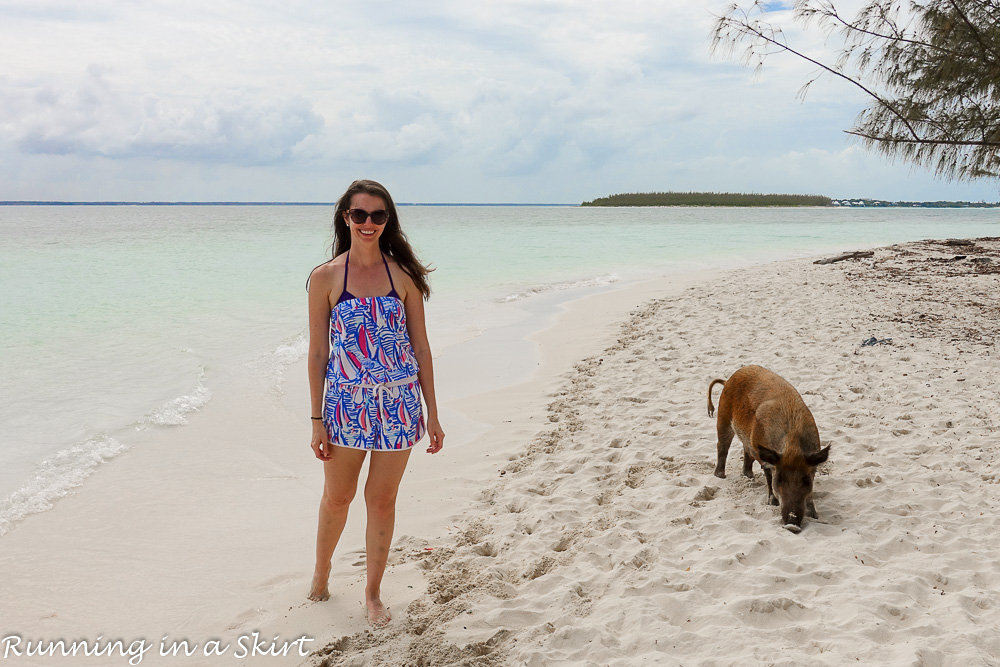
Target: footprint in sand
706 493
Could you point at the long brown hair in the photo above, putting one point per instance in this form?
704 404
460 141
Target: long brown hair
392 242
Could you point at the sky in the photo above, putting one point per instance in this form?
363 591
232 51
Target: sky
486 101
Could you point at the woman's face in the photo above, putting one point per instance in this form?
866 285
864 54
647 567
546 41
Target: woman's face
367 231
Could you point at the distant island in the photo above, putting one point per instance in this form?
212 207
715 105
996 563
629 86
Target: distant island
242 203
708 199
743 199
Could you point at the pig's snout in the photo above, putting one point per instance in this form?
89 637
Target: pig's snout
792 521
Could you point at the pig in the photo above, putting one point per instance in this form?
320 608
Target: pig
778 431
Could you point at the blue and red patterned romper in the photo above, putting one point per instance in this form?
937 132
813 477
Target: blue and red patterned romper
372 394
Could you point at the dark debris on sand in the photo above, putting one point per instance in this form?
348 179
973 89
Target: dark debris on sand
909 277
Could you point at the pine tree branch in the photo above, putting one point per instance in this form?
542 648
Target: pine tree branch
746 27
898 37
924 141
935 63
974 30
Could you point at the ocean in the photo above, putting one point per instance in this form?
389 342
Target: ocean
120 321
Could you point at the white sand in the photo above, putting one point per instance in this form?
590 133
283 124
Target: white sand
609 542
573 518
208 531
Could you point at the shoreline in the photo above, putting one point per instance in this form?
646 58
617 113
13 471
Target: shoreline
215 538
172 518
126 381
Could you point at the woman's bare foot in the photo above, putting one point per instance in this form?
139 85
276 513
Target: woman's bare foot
320 587
378 614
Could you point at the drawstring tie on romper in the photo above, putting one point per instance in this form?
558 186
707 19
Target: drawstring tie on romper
381 389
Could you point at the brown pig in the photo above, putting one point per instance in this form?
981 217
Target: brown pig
778 431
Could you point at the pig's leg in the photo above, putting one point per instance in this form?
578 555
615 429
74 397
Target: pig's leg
725 432
771 499
811 509
747 464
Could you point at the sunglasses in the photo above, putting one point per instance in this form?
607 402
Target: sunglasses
359 215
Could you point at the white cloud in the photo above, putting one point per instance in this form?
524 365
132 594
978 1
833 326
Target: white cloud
498 100
91 116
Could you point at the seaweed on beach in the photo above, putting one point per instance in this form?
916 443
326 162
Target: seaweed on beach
909 276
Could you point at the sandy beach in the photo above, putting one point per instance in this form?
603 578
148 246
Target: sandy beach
573 518
606 540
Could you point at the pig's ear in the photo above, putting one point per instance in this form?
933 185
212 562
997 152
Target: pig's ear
769 455
818 457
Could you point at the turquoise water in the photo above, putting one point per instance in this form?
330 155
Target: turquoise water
510 248
120 319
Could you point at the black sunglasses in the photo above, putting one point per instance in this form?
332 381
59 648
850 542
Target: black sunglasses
359 215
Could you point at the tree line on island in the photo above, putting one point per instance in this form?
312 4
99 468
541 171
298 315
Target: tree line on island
708 199
762 200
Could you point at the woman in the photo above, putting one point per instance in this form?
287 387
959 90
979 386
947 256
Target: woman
368 303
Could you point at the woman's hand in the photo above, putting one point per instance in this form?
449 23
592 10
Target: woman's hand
435 436
320 442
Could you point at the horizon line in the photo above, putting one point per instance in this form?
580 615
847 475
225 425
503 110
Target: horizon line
28 202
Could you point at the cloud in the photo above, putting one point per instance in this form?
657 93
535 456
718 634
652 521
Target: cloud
91 116
499 100
58 10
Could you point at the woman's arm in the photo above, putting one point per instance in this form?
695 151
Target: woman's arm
319 355
416 327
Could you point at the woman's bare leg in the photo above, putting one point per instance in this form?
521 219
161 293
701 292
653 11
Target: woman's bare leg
341 482
384 474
